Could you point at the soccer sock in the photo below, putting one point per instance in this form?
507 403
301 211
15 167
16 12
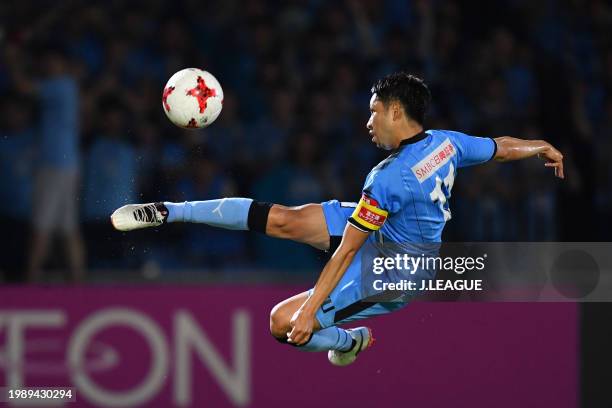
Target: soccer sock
331 338
228 213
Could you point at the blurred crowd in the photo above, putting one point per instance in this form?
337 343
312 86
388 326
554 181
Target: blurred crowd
82 123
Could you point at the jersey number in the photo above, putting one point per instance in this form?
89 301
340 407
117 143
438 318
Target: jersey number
442 191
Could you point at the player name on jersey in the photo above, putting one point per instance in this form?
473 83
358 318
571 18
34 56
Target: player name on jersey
434 160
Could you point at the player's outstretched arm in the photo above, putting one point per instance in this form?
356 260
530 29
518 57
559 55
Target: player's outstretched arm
511 148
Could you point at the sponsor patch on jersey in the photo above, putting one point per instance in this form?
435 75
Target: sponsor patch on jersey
368 214
434 160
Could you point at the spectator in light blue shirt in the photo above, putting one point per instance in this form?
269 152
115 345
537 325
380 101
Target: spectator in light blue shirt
55 187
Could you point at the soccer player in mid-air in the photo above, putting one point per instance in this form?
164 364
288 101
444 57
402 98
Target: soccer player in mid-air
404 200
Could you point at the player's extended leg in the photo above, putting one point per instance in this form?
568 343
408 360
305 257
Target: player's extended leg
305 223
344 344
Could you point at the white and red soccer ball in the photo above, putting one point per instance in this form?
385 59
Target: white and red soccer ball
192 98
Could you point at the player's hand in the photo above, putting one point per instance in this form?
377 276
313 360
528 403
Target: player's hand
302 324
554 159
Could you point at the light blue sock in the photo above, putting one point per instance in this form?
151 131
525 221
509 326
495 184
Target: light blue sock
228 213
332 338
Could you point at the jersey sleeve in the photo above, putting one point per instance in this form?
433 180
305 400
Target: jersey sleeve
473 150
377 202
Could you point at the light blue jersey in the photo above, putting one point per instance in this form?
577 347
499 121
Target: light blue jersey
59 143
406 195
405 200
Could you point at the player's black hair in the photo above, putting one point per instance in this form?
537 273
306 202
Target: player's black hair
411 92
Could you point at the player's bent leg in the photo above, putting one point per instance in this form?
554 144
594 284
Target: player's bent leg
281 315
346 343
305 224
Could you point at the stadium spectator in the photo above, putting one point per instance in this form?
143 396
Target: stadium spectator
57 161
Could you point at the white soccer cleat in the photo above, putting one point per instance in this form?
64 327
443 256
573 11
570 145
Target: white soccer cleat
136 216
363 339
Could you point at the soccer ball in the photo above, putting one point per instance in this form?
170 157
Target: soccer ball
192 98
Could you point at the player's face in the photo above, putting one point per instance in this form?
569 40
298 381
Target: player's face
379 124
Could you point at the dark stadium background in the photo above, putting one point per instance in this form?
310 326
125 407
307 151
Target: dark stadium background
296 76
